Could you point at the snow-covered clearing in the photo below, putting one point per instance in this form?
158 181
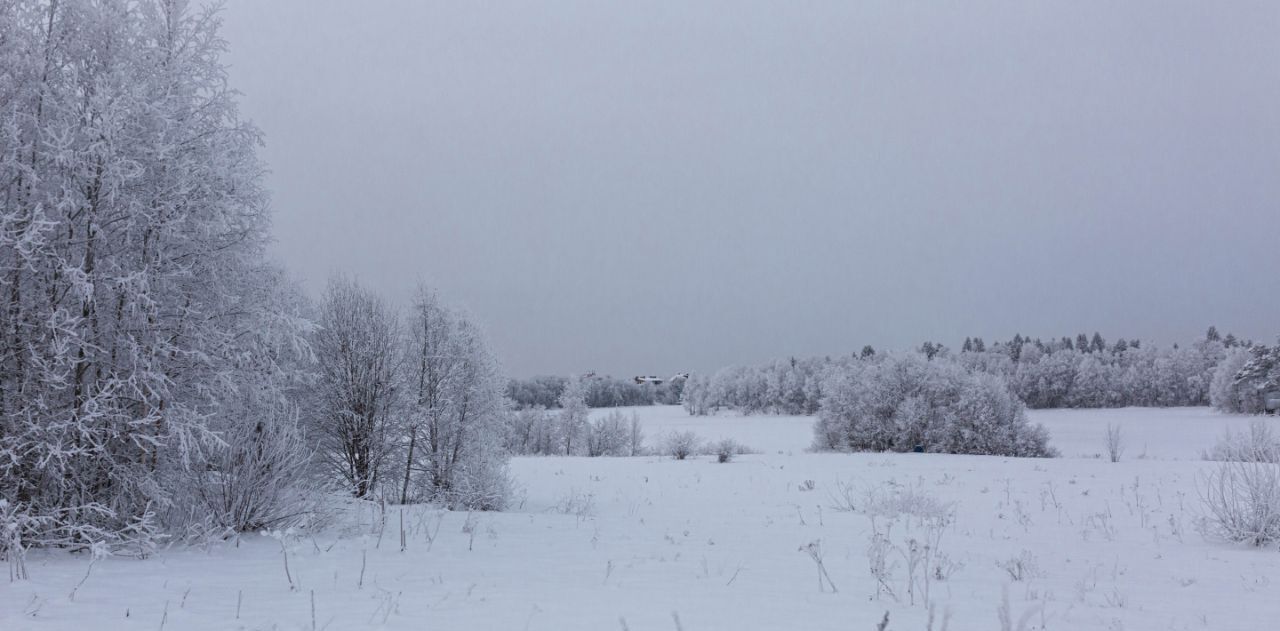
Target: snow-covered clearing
1164 433
1075 542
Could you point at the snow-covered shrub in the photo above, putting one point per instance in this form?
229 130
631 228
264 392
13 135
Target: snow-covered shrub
17 525
681 445
1259 444
609 435
481 482
256 479
906 402
830 430
726 449
1242 494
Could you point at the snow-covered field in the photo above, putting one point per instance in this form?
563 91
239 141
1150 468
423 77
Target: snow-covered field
614 543
1162 433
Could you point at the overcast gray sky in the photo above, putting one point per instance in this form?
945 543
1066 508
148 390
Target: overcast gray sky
649 187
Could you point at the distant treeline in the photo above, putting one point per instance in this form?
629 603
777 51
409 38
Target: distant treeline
1079 371
601 392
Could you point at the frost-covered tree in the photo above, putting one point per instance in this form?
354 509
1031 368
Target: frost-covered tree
791 386
1258 373
1055 375
696 397
532 431
611 435
601 392
429 359
541 391
357 395
573 415
935 349
454 451
1229 394
1043 380
1093 385
134 298
1042 375
608 392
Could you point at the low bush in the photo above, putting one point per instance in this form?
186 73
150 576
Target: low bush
726 449
1242 494
254 480
1259 444
681 445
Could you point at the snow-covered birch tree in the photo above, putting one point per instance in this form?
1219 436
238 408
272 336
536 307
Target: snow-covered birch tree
132 229
357 395
573 414
454 450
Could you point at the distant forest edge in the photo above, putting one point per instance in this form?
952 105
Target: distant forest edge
1080 372
1083 371
601 392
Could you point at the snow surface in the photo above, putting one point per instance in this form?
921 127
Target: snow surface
1164 433
595 541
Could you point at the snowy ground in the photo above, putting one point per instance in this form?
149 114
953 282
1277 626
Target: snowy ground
1163 433
598 541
